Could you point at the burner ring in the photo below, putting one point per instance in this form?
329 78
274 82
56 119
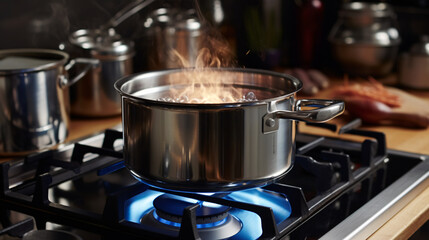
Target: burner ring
227 228
213 221
170 208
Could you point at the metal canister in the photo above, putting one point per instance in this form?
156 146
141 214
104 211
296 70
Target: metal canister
365 39
94 95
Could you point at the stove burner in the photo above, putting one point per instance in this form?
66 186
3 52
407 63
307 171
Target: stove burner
213 220
169 209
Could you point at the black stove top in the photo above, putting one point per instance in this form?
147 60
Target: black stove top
84 189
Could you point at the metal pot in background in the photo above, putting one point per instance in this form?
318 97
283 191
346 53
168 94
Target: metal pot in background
170 39
214 147
365 39
94 95
414 66
34 111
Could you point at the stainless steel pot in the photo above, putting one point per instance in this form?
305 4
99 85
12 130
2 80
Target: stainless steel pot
171 39
94 95
33 98
214 147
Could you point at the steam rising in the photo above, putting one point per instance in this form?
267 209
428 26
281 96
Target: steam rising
207 86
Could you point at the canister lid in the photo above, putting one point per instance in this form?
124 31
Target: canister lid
362 9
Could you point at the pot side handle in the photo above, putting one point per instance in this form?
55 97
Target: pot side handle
319 110
88 62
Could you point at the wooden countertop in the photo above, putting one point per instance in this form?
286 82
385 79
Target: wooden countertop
81 127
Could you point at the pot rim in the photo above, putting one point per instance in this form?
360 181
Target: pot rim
122 81
59 58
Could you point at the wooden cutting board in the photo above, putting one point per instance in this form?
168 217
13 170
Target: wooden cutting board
413 112
410 103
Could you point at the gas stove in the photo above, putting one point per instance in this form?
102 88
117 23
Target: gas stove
337 187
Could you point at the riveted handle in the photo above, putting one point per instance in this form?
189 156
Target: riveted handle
309 110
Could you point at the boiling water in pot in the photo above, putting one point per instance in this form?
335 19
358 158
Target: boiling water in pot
248 97
230 94
205 87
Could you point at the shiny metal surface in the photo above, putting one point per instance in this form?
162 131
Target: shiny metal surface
50 235
321 111
207 147
367 219
365 38
129 10
171 39
94 95
33 111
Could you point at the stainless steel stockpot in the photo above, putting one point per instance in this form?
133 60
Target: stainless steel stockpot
33 98
214 147
94 95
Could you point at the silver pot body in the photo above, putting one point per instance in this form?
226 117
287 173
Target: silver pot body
171 39
213 147
365 38
94 95
34 106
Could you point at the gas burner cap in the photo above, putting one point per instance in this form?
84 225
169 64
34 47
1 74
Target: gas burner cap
170 208
213 220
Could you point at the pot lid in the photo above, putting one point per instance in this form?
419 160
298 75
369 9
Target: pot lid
362 9
102 43
422 47
30 60
171 18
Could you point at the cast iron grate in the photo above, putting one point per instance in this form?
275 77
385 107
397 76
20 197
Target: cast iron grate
31 197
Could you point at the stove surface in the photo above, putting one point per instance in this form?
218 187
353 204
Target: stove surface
85 189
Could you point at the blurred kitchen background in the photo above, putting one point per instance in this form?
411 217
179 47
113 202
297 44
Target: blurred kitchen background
262 33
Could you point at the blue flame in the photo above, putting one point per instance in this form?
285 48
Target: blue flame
251 221
176 224
276 201
139 205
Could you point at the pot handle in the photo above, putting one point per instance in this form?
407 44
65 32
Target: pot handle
89 63
321 110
